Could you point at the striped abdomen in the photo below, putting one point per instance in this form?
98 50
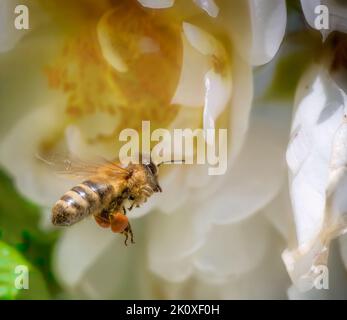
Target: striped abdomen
87 198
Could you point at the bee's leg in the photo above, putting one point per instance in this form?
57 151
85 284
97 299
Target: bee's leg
128 231
131 234
132 206
124 211
113 205
126 237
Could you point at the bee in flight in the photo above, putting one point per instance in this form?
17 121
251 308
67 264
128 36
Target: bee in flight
104 193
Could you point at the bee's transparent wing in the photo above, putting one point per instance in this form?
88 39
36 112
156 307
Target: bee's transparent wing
73 166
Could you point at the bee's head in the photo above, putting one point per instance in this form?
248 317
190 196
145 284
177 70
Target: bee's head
152 172
152 175
152 168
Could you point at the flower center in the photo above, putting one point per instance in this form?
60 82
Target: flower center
125 65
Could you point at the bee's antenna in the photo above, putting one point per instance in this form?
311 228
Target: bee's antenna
171 161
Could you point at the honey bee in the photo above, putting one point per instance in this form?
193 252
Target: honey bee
104 193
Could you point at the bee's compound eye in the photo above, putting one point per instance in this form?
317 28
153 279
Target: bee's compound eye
131 198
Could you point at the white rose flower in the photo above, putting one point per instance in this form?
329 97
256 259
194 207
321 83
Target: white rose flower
92 70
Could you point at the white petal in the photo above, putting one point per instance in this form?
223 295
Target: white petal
309 151
336 281
18 152
337 15
317 160
199 84
195 176
200 39
157 4
279 213
240 105
301 264
209 6
269 19
268 280
190 90
174 290
205 291
233 249
261 158
241 102
256 27
94 263
175 192
22 71
77 250
218 84
308 7
98 123
173 239
174 179
108 49
218 92
147 207
77 144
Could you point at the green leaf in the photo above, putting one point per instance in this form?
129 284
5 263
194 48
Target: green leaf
293 5
14 270
19 227
287 75
298 51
